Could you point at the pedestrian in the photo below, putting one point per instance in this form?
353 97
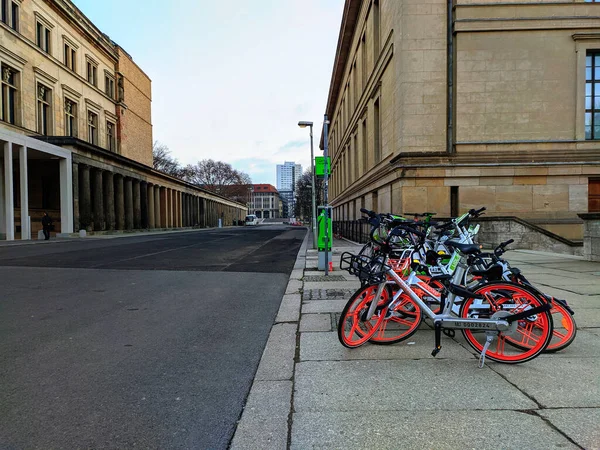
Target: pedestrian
46 225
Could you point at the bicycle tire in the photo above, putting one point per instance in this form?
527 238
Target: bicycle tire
537 330
353 331
560 316
398 324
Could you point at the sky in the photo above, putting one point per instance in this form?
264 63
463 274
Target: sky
230 79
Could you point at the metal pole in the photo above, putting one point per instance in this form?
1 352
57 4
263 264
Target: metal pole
314 207
325 198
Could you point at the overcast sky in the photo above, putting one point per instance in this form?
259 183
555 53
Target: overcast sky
230 79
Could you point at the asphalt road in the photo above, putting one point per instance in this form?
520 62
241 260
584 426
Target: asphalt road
138 342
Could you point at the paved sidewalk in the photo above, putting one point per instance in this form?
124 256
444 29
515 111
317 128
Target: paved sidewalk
311 392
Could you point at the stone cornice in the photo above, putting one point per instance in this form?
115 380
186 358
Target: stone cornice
45 76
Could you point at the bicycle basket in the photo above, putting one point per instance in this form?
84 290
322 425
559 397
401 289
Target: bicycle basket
370 270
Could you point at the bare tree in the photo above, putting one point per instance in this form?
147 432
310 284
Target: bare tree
219 177
303 206
163 161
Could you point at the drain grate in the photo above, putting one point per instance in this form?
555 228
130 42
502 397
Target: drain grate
313 278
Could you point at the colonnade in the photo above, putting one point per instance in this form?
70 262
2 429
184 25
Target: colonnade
104 200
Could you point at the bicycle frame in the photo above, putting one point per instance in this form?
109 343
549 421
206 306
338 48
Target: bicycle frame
445 319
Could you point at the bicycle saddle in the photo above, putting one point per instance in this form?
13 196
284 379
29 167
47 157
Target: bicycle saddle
467 249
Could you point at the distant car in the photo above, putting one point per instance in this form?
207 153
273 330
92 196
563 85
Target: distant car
251 220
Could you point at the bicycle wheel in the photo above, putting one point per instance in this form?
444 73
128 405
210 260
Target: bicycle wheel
563 322
565 328
367 250
353 329
400 322
531 335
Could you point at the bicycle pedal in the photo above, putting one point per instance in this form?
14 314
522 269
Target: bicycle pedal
449 333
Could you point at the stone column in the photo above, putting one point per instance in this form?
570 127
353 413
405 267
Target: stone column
137 205
183 209
151 215
109 200
186 210
24 192
119 202
143 205
98 201
180 209
128 203
168 214
75 169
175 203
165 201
157 202
85 198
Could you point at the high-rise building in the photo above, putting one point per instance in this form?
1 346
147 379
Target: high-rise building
288 175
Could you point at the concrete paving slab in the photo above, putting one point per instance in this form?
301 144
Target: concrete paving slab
293 287
581 425
264 422
573 266
297 274
326 346
323 306
277 362
587 317
363 387
289 311
585 345
333 285
574 300
438 430
557 382
315 322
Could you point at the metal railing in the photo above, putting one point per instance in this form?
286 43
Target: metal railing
354 230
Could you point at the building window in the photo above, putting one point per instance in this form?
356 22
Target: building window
92 73
70 57
70 118
92 128
8 111
10 14
44 109
43 37
592 96
109 86
111 143
377 132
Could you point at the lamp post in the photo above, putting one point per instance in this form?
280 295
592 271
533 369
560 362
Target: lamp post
304 124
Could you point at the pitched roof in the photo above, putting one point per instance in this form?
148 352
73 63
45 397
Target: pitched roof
264 188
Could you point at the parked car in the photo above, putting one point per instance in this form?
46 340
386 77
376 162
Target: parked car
251 219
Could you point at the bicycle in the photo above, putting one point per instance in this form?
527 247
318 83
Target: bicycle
494 312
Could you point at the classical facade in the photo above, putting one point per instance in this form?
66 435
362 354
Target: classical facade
446 106
76 132
265 201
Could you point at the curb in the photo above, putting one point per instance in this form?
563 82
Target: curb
266 419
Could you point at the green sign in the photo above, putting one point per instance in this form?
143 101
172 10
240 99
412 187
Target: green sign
320 166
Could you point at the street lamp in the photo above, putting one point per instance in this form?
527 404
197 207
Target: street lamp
304 124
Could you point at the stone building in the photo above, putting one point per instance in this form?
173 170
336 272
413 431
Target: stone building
265 202
449 105
76 132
